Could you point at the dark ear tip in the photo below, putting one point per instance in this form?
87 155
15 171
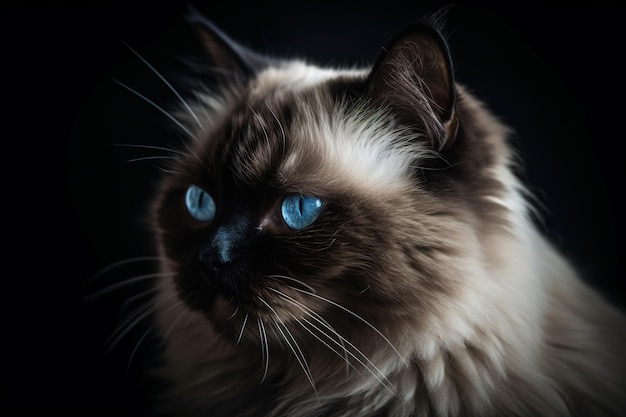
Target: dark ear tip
437 19
191 12
427 29
434 26
195 17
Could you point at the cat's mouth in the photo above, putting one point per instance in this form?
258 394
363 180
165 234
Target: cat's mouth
217 295
227 292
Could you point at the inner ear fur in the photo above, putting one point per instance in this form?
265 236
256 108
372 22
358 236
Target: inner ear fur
414 73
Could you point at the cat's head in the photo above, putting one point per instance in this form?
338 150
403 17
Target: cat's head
313 202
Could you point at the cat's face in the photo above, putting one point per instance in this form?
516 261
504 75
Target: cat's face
309 204
298 194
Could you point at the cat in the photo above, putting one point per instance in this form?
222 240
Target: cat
356 242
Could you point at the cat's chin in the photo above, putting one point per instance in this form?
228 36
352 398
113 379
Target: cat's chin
222 309
226 318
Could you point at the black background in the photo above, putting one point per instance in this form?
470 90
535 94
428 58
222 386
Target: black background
73 205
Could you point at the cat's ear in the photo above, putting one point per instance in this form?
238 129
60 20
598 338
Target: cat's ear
226 56
415 72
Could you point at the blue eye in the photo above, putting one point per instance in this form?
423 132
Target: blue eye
300 211
200 204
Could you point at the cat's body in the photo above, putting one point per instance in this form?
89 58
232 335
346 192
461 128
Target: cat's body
419 287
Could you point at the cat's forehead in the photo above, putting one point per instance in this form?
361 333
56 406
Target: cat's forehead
294 76
295 128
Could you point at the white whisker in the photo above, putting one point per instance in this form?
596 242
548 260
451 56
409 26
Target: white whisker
342 356
132 354
243 326
135 297
158 74
148 158
166 334
118 264
298 355
315 316
130 322
133 319
157 148
357 317
156 106
294 280
169 171
164 337
124 283
264 347
382 378
234 313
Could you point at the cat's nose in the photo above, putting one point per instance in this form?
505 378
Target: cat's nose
223 247
213 263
